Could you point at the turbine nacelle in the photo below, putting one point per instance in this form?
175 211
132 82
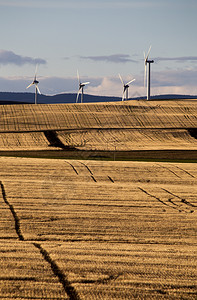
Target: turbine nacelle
149 61
125 87
35 82
81 87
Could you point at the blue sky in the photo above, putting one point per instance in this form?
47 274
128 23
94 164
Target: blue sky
100 38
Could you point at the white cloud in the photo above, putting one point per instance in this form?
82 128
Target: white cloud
112 86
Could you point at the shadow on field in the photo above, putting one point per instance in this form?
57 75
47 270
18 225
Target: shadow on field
135 155
54 141
193 132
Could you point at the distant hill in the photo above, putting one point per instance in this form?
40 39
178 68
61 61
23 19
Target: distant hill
16 98
22 98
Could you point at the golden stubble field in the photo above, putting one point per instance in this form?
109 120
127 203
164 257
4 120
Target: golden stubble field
74 229
87 229
131 125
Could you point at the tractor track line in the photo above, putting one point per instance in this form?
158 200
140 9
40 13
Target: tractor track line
72 167
169 170
110 179
70 291
158 199
14 214
185 171
86 167
182 200
92 175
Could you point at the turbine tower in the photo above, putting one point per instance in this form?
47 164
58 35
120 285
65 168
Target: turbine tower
125 94
35 82
147 62
81 87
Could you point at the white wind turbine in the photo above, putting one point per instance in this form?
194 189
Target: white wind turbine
81 87
35 82
125 94
149 62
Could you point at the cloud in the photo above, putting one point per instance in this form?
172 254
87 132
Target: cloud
180 77
177 59
9 57
47 85
181 81
112 86
114 58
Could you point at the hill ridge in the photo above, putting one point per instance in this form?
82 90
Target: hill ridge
24 97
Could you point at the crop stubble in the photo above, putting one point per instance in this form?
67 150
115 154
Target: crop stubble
130 125
98 230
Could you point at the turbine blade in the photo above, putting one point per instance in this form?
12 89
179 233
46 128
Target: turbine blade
121 79
36 70
38 89
130 81
78 76
148 52
29 85
85 83
77 96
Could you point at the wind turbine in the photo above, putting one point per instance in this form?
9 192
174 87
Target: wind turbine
147 62
81 87
125 88
35 82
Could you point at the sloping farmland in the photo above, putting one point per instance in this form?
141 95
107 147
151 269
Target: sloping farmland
75 229
121 126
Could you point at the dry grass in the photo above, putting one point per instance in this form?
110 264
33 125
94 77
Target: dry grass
72 229
131 114
130 125
106 230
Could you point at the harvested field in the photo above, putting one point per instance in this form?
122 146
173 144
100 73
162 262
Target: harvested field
131 125
107 228
75 229
130 114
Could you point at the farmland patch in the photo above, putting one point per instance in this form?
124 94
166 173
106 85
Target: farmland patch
132 233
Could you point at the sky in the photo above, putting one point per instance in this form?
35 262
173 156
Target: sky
101 39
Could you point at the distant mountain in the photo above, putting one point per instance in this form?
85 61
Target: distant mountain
22 98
